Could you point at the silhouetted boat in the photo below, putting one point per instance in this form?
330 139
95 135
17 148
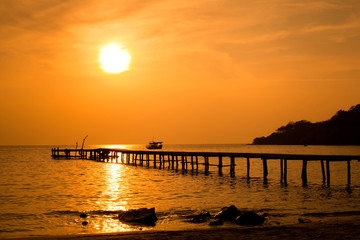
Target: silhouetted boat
154 145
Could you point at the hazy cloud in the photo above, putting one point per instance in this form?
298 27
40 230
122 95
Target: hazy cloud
355 24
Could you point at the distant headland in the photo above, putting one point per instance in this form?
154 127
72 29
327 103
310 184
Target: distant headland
342 129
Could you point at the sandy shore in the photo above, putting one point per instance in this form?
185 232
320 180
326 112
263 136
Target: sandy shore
322 230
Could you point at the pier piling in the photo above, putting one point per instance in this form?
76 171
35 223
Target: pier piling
304 173
285 172
328 172
323 170
281 170
220 166
349 172
232 166
248 168
265 168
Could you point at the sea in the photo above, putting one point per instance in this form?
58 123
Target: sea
41 196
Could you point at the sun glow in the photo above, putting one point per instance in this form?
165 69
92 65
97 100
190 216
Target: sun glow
114 59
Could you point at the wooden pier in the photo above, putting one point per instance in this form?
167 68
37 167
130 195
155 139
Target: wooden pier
185 160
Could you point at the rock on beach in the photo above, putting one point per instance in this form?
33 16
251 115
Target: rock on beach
141 215
249 218
228 213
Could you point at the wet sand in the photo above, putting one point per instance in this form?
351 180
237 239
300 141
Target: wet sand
337 229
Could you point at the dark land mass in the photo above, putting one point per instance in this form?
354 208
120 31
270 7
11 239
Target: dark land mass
342 129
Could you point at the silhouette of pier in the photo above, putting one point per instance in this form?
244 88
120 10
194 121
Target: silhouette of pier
192 160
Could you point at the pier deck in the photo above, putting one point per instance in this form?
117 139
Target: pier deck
182 160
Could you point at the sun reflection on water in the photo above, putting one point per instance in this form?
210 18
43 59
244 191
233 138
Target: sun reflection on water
113 225
117 146
112 200
112 196
123 146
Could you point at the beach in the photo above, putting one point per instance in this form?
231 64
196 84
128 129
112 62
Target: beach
336 229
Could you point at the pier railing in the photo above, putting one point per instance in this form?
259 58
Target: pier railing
186 160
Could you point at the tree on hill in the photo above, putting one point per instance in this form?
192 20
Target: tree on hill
342 129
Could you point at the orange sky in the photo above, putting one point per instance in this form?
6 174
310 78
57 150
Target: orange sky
214 71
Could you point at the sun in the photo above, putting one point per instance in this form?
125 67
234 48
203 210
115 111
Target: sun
114 59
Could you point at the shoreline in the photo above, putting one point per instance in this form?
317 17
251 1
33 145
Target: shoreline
329 230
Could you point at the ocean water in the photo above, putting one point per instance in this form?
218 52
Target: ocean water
44 196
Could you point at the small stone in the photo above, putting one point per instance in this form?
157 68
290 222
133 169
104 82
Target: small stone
305 220
250 218
83 215
216 222
84 223
200 218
